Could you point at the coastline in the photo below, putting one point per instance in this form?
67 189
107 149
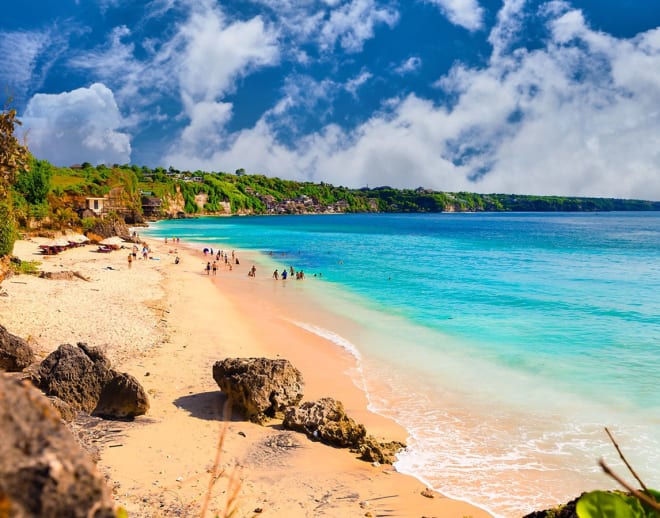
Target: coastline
167 324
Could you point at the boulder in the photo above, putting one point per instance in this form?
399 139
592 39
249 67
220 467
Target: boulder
326 421
74 374
372 450
43 470
123 397
15 353
259 388
83 378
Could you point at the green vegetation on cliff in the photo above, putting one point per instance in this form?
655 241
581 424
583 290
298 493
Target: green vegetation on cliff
44 192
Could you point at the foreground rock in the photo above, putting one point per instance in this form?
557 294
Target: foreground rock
43 471
326 421
259 388
83 378
15 353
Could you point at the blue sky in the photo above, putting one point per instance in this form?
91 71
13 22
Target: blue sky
531 97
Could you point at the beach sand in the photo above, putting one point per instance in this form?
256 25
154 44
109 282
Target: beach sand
167 324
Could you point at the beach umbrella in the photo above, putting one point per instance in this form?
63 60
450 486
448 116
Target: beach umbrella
112 241
77 238
60 241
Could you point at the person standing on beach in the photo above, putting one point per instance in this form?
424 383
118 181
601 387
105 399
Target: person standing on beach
130 260
208 268
215 268
276 275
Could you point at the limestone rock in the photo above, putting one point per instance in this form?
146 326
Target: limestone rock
109 227
75 375
15 353
372 450
82 377
259 388
327 421
122 396
43 471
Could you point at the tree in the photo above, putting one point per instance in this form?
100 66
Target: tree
34 184
14 156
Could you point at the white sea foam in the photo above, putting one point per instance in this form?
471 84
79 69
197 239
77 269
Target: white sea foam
330 336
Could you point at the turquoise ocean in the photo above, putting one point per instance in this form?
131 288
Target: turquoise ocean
503 343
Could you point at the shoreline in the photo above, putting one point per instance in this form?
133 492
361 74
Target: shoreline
159 464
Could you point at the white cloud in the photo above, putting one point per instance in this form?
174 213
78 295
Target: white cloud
354 84
353 23
578 117
26 58
349 23
410 65
82 125
207 119
508 28
216 53
466 13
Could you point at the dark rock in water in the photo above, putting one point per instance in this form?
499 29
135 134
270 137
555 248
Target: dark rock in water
563 511
259 388
74 374
44 473
122 396
15 353
372 450
81 376
326 421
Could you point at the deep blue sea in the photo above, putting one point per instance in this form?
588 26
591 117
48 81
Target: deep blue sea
504 343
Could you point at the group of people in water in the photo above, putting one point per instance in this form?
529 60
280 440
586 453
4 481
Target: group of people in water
299 275
229 259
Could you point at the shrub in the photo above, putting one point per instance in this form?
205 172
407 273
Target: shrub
8 233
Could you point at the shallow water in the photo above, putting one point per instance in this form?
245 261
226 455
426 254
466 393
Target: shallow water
502 342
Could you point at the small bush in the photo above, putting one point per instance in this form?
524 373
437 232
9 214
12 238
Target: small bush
26 267
8 231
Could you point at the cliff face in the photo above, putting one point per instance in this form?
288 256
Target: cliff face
174 204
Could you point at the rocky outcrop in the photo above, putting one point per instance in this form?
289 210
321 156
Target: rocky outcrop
326 421
122 396
83 378
43 470
15 353
259 388
372 450
111 227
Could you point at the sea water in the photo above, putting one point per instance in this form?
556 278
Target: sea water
503 343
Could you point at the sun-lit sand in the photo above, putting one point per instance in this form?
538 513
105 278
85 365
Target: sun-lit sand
167 324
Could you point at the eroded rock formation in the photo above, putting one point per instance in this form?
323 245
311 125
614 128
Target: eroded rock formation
83 378
326 421
259 388
15 353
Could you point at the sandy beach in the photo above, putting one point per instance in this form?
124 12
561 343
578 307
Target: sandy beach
167 324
